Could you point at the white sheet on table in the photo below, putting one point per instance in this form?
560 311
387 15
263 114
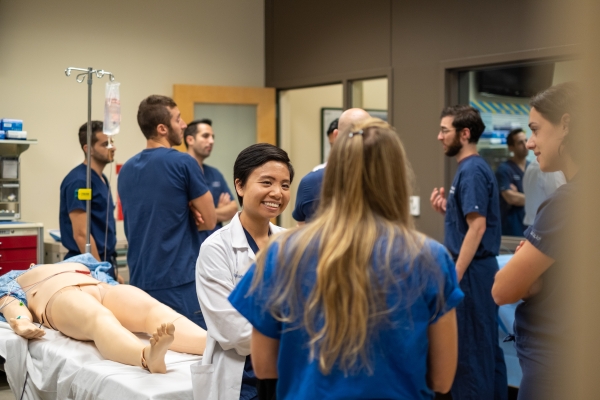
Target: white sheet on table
63 368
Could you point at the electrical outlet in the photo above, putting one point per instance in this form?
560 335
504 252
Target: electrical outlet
415 206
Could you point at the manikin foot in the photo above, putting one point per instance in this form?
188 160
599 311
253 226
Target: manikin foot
154 355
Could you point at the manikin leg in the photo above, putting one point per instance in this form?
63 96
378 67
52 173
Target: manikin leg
139 312
80 316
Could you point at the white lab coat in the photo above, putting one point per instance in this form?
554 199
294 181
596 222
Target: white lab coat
224 258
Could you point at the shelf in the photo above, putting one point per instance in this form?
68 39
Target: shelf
18 141
14 147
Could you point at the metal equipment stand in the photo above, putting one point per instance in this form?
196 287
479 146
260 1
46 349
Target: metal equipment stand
89 72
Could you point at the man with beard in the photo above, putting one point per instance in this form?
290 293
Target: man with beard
162 191
199 139
510 182
472 236
72 215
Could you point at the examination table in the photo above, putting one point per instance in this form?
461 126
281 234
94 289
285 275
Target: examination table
58 367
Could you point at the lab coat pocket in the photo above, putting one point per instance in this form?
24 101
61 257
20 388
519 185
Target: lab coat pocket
204 381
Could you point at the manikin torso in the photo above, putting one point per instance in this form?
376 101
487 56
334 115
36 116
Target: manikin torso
58 276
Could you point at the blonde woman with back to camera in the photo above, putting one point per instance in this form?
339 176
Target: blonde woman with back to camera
357 303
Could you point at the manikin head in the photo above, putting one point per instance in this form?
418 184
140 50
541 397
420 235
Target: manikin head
551 120
160 120
199 139
460 126
100 152
262 175
517 143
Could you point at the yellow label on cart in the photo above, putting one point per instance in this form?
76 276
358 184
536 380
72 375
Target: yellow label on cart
83 194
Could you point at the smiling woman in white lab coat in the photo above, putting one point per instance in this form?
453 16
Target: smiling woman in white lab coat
262 176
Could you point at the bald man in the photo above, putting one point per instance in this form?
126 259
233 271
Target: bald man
309 190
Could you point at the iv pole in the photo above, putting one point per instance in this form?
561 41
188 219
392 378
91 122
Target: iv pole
89 72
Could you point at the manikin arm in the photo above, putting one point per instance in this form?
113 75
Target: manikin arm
23 326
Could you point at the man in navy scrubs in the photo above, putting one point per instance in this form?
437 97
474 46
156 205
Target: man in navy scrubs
159 188
199 140
72 215
472 236
309 189
510 183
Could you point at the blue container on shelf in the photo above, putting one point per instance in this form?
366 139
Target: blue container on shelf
2 135
7 124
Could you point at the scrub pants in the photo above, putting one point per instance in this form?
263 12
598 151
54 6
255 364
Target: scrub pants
481 372
538 359
182 299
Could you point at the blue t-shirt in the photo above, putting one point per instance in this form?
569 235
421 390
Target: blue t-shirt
398 348
512 216
540 319
76 179
308 195
217 186
474 189
155 187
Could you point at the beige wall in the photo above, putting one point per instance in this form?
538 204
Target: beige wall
300 131
148 45
370 94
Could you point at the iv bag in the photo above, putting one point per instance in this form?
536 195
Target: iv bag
112 109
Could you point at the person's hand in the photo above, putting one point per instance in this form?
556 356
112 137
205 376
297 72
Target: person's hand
120 279
438 200
196 214
513 187
224 199
459 274
519 246
25 328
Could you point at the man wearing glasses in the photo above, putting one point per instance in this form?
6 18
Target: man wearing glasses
472 234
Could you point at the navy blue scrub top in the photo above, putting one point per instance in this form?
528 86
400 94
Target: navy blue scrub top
217 186
155 187
76 179
474 189
512 216
542 317
308 195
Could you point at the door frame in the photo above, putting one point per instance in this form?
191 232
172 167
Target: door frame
186 96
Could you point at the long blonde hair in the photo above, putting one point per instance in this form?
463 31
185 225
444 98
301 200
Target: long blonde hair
365 197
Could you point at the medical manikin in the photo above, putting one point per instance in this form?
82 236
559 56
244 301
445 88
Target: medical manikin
86 304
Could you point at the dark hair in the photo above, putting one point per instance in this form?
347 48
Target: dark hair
557 101
510 138
153 111
192 128
465 117
253 157
97 126
332 126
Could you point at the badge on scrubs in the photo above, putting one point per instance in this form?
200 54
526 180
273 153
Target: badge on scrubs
83 194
